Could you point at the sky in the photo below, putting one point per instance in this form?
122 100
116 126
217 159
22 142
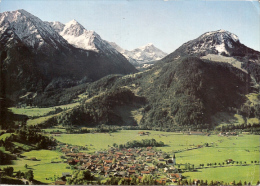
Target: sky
165 23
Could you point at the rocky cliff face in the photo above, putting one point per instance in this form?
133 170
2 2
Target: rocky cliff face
40 59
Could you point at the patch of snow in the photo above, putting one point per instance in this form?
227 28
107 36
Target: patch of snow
234 37
221 48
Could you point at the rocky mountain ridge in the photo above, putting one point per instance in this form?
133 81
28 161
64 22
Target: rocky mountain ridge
39 59
144 54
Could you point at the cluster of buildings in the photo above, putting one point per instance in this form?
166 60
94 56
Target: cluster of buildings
123 162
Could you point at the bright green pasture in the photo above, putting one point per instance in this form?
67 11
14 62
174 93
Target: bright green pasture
32 111
35 111
38 120
239 148
244 148
248 173
42 168
104 140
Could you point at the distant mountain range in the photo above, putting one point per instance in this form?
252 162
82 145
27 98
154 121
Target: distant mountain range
41 59
50 63
144 54
201 84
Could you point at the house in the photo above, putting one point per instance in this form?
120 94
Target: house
229 160
166 169
160 159
60 182
131 172
66 174
121 174
149 160
195 133
141 133
145 172
175 176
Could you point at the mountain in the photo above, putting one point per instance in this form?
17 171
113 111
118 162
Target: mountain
144 54
56 25
82 38
39 59
218 42
221 46
182 91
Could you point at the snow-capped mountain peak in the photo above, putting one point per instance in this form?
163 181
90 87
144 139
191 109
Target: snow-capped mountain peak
73 28
220 42
147 46
29 29
143 54
80 37
56 25
222 35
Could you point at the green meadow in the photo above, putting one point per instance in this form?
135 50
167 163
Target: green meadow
238 148
43 167
36 111
227 174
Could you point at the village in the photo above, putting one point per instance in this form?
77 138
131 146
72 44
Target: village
122 163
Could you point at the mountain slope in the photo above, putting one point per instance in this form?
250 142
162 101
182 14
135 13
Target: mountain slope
184 93
219 46
219 42
39 59
144 54
182 90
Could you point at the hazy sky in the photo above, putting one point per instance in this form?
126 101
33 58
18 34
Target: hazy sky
166 24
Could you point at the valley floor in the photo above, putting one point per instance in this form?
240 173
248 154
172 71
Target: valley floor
188 149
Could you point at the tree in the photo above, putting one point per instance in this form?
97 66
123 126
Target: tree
137 181
189 182
133 180
121 181
18 174
147 179
29 175
8 171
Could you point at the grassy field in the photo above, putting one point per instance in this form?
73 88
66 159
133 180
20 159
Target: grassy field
239 148
227 174
38 120
35 111
42 168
